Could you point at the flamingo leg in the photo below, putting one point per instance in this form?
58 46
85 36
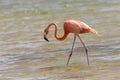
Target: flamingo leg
71 49
86 50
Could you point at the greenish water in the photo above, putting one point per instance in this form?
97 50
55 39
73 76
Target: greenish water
24 55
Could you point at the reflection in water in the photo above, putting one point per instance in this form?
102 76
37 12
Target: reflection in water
24 55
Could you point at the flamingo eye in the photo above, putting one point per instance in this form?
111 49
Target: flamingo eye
46 31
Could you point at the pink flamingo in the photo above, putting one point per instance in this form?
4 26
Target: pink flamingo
71 26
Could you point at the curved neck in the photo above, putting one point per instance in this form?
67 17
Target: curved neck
56 32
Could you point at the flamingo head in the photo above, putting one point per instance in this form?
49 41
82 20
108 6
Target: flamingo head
46 31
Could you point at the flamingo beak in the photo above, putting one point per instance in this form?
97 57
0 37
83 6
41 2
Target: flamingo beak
46 38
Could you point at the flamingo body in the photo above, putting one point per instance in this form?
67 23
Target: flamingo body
77 27
71 26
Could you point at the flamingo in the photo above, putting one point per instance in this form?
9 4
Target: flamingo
71 26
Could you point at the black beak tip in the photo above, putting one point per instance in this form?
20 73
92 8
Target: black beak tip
46 38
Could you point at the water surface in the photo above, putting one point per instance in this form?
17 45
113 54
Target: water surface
24 55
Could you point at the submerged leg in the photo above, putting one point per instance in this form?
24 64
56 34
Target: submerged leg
71 49
86 50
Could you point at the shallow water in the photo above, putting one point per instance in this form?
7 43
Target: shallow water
24 55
